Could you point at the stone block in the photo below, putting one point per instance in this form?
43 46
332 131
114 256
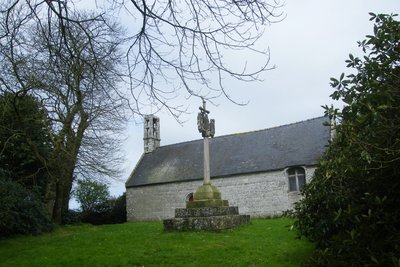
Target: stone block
207 203
207 191
211 223
206 212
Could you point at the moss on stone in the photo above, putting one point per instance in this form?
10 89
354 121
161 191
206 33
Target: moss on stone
207 191
207 203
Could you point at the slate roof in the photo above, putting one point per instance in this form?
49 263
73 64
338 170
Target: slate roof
297 144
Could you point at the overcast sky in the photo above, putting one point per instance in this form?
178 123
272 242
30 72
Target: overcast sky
308 47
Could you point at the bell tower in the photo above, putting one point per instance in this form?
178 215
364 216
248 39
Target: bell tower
151 136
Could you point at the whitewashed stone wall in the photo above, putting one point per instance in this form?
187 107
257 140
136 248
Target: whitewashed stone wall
261 194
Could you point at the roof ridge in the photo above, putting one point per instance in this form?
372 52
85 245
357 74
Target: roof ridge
273 127
243 133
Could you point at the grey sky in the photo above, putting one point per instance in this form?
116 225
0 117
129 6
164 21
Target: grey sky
308 47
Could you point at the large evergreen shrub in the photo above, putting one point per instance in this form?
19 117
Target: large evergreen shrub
24 148
25 143
351 209
21 211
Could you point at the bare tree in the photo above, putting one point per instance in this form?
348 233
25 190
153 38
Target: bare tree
176 45
74 71
84 99
183 43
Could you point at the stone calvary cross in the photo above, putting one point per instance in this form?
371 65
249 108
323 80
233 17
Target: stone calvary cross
208 211
207 194
207 129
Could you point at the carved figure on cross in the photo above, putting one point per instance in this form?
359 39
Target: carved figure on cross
206 127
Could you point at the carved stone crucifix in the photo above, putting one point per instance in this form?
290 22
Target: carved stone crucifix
207 129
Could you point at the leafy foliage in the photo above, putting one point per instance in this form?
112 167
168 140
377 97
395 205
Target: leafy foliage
91 195
24 146
71 217
21 211
24 140
97 205
351 209
118 211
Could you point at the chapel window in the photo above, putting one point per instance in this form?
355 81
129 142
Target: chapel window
297 179
189 197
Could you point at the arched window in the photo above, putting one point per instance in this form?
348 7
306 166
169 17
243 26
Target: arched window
189 197
297 178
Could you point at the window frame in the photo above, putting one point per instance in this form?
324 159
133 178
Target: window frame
296 177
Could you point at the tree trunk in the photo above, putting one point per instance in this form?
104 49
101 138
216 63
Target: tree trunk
63 191
50 196
57 210
67 157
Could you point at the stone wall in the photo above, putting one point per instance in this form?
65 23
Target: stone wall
261 194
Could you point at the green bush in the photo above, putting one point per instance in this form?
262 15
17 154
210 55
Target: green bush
25 143
118 211
351 209
97 207
111 211
72 217
99 215
21 211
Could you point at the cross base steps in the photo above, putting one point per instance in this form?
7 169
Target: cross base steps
210 223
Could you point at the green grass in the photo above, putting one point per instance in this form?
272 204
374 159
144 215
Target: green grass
264 242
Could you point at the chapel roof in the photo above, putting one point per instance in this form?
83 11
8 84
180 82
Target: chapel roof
296 144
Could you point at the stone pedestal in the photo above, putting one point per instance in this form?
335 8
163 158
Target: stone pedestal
207 211
208 218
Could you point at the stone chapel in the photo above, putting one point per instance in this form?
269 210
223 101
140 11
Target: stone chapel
262 171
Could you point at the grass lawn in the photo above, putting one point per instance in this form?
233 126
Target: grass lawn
264 242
